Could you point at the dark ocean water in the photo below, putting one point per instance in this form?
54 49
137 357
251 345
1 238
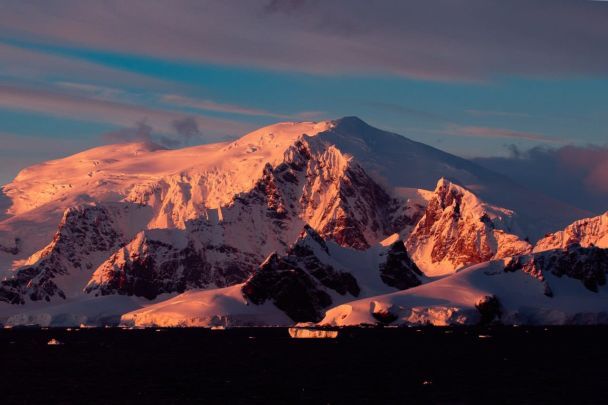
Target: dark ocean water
264 365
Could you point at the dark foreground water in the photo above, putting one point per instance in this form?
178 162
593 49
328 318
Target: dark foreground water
431 365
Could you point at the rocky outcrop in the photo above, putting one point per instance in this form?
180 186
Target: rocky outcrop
489 309
85 236
585 232
314 182
458 230
587 264
309 279
299 283
399 270
167 261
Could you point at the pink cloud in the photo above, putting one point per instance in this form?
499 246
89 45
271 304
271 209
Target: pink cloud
22 64
592 161
209 105
119 113
487 132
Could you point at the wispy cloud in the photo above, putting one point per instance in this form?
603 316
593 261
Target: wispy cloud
406 111
433 39
20 64
492 133
484 113
209 105
473 131
123 114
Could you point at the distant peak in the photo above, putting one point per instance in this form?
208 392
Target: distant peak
445 183
350 121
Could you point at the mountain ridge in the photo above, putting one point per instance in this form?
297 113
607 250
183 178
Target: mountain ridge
143 224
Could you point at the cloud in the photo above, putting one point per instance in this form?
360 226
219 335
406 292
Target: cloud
208 105
26 65
488 132
482 113
187 129
141 132
432 39
118 113
574 174
406 111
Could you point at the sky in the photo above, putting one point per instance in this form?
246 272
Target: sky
483 79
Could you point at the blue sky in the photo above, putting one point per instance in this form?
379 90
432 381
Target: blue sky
475 78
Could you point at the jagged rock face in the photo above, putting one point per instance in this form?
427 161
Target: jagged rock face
83 234
459 230
585 232
315 183
588 264
399 270
299 282
355 211
343 203
308 279
290 288
151 265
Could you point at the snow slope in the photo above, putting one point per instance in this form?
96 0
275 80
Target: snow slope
451 300
585 232
288 289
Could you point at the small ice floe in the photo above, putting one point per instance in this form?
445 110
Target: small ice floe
309 333
54 342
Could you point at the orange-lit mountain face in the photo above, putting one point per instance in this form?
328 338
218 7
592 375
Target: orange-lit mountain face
334 222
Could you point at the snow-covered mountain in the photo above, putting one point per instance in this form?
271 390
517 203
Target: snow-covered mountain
298 286
585 232
213 234
554 287
458 229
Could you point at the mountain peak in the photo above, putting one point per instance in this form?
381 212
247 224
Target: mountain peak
350 120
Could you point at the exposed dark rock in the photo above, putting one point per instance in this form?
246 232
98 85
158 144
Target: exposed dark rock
159 267
384 316
588 264
83 232
298 283
399 270
489 309
290 288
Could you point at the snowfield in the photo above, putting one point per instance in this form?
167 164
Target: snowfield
452 300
